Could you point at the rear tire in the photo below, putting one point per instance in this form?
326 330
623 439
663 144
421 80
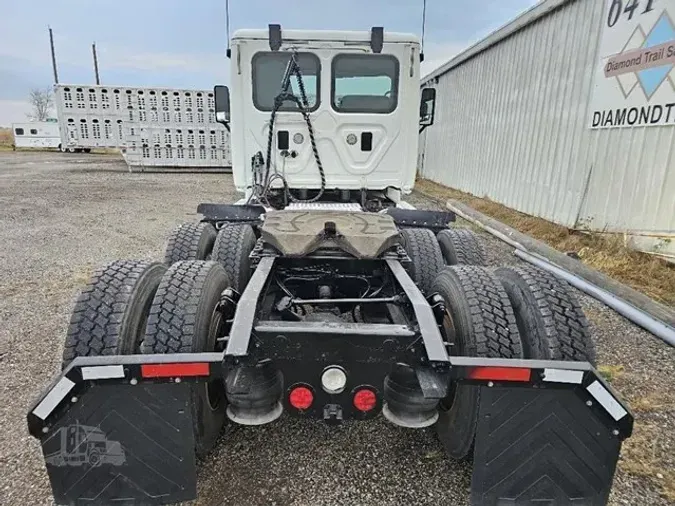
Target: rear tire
425 255
111 311
551 322
479 322
232 248
190 241
184 319
461 247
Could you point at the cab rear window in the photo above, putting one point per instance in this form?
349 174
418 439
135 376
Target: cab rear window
268 73
364 83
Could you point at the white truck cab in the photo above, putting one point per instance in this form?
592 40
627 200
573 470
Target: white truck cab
362 96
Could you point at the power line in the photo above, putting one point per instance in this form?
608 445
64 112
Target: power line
93 52
227 21
51 44
424 20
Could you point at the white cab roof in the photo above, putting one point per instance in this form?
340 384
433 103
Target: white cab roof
327 35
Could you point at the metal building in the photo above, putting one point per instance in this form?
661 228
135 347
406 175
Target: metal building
565 113
154 127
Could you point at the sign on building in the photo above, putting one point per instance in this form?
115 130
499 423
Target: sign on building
634 83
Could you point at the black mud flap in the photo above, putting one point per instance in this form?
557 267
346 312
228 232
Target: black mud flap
542 446
123 444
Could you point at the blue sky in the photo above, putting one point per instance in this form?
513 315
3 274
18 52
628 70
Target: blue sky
180 43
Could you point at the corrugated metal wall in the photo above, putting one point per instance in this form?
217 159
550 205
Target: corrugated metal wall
512 125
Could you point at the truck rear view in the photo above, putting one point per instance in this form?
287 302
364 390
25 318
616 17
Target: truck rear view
323 295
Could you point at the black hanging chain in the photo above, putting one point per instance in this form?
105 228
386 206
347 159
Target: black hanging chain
303 106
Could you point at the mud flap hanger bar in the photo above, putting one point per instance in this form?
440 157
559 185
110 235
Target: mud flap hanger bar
231 213
548 374
85 372
434 220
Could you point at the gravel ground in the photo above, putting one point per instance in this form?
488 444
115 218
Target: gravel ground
63 215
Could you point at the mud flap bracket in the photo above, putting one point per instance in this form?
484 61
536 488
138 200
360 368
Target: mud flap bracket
542 446
123 444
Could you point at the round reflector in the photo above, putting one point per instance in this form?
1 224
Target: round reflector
365 400
301 398
333 380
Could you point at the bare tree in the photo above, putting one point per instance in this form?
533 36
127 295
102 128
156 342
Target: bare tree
42 101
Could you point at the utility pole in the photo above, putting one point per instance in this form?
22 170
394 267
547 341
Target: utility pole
51 43
93 52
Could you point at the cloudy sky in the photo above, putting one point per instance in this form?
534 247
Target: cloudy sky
181 43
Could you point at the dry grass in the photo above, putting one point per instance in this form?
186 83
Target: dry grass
6 137
647 453
655 401
646 273
642 456
611 372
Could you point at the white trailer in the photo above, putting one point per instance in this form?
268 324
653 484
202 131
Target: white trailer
153 127
36 134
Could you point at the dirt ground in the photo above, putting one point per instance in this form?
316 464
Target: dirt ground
63 215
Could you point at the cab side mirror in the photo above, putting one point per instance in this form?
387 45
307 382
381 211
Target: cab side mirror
427 107
222 96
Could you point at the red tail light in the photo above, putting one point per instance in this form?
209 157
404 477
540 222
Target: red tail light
365 400
301 398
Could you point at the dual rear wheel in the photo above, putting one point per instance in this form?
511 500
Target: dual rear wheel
429 253
132 307
230 246
510 312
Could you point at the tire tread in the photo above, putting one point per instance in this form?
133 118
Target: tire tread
170 327
493 320
185 241
232 248
425 253
96 320
566 329
462 246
